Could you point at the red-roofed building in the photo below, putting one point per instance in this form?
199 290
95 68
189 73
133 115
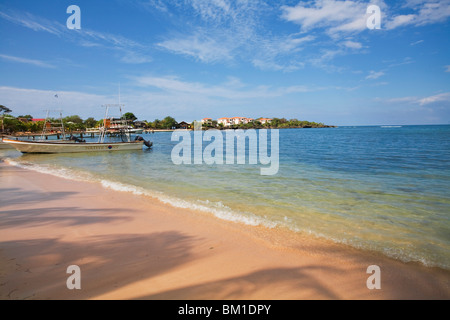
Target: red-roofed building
225 121
234 121
265 120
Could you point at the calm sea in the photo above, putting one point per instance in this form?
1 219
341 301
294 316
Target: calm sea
384 189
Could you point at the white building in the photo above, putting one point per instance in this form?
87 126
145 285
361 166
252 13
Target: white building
226 122
265 120
234 121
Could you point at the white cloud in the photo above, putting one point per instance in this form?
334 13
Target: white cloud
447 68
213 9
275 53
400 100
333 15
436 98
433 11
135 58
401 20
35 102
131 51
158 4
352 44
268 64
426 12
416 42
37 63
232 31
339 17
217 31
155 97
228 90
405 61
374 75
32 22
422 101
354 26
201 47
321 13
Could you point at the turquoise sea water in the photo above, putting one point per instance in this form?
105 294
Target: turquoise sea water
384 189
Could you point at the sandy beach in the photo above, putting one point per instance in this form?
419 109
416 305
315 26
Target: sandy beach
135 247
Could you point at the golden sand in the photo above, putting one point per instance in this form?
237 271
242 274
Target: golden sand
135 247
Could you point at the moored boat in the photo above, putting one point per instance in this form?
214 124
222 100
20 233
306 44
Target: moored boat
72 147
74 144
4 145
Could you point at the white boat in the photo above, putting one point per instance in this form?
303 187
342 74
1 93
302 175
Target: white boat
137 131
93 131
77 145
4 145
72 147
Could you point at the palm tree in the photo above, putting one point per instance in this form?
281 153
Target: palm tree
4 110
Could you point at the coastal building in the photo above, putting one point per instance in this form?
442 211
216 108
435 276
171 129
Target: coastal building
183 125
207 121
140 124
265 120
226 122
24 120
240 120
234 121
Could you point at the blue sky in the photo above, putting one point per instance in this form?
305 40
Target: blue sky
309 60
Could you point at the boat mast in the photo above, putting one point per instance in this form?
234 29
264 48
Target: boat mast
50 126
121 124
45 126
103 130
63 131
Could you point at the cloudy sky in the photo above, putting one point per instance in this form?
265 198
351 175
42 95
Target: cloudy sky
190 59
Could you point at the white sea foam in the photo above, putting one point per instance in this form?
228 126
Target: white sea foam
117 186
216 208
52 170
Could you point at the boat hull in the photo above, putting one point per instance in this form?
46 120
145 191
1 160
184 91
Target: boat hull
58 147
5 145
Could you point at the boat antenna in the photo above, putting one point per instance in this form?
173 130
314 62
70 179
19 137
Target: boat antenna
63 130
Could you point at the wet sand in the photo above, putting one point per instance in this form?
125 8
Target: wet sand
135 247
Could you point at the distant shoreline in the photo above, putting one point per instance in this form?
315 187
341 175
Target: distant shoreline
29 134
149 131
224 129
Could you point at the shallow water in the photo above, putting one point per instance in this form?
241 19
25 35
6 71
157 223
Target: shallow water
377 188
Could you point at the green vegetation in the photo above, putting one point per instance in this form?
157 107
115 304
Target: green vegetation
167 123
276 123
3 110
75 123
129 116
90 122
